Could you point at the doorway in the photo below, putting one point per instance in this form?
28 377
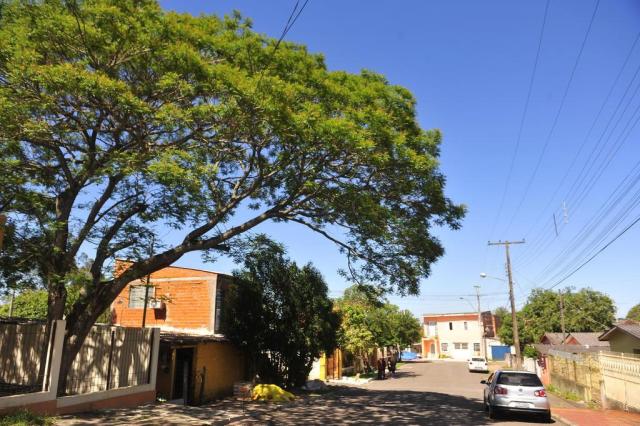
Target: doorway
183 377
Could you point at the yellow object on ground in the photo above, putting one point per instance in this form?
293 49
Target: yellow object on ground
271 393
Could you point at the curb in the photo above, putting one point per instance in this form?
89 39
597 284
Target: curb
559 418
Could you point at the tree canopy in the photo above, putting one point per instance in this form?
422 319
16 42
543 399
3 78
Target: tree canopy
119 119
634 313
585 310
369 322
279 314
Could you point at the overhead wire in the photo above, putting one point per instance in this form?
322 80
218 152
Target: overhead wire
556 118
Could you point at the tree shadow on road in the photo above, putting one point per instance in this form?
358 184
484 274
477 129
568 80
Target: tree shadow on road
366 406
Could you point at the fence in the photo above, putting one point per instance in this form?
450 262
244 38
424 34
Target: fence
116 366
23 355
621 380
609 379
111 358
576 373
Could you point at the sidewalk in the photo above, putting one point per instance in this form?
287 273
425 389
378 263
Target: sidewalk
574 414
586 417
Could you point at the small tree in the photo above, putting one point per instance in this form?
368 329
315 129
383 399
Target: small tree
369 322
279 314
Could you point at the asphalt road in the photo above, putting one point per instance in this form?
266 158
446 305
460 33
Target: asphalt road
439 393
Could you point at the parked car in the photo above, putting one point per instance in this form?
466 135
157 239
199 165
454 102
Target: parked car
478 364
515 391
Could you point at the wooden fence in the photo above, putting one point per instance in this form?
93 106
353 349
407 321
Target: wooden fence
116 367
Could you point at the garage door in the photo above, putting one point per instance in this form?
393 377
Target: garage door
499 352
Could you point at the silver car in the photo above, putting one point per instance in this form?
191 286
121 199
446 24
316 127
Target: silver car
515 391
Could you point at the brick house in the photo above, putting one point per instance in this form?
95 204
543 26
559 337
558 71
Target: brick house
196 362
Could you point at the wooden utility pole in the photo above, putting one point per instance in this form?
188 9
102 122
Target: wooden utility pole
514 318
564 335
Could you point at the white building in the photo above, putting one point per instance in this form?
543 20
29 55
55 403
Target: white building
458 335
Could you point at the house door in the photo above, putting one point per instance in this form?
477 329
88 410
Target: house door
183 376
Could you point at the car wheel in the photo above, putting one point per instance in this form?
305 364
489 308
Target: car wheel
485 405
547 417
492 412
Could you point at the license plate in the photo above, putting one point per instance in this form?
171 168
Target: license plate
520 405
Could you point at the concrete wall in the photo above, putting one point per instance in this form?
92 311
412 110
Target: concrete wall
219 365
576 373
621 381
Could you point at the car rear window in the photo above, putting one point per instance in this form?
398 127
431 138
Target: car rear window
477 359
519 379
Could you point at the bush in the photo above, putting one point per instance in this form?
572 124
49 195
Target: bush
530 352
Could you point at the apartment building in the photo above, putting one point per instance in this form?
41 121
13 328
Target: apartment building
458 335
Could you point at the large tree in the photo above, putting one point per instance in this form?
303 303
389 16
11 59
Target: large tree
280 314
119 119
585 310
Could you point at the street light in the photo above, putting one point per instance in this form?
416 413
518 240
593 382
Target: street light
480 323
484 275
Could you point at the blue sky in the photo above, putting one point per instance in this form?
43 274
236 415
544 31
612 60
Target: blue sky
469 64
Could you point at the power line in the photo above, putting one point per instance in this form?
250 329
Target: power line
631 225
556 118
522 118
534 246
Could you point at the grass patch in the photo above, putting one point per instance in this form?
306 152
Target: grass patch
570 396
26 418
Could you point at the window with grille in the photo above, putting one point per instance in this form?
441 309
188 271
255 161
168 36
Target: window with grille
476 347
444 346
136 295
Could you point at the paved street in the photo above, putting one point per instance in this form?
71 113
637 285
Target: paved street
440 393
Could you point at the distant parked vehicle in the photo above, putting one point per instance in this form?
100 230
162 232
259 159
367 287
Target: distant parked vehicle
479 364
409 356
515 391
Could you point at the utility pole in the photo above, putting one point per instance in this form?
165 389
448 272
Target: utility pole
483 346
514 319
564 335
146 287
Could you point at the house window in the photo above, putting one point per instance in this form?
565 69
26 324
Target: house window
465 346
450 326
457 345
444 346
476 347
466 326
136 295
221 291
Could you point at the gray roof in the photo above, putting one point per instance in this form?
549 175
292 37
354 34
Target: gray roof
554 338
628 326
588 339
574 349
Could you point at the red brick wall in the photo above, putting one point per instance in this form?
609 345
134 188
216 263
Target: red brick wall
189 302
